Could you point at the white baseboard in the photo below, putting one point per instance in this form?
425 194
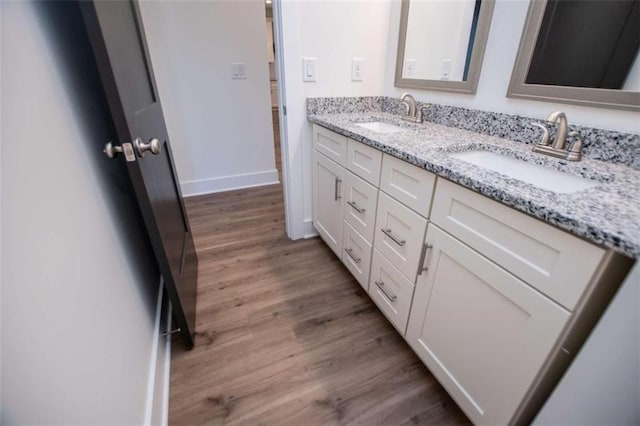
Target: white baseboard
308 230
153 361
166 368
157 401
302 230
229 183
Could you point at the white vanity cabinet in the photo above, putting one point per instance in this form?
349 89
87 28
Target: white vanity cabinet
328 202
481 331
490 299
497 291
344 198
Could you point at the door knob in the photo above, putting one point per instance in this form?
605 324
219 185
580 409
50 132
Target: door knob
152 146
112 150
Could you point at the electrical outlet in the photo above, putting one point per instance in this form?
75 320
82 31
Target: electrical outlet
357 68
239 71
309 69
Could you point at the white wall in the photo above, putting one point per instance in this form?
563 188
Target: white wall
602 386
220 129
78 288
504 37
633 78
1 48
425 44
334 32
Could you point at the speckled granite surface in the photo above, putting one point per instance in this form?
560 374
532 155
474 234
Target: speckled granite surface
599 144
608 214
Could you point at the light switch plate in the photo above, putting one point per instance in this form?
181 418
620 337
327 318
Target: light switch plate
446 69
409 68
357 68
309 69
239 71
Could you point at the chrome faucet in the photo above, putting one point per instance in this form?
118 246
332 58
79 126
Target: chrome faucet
414 114
561 137
559 147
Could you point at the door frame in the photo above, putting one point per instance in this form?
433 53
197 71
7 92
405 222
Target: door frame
282 117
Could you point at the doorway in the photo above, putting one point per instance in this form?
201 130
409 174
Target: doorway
279 114
273 83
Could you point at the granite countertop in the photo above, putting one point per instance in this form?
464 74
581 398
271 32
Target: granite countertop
607 214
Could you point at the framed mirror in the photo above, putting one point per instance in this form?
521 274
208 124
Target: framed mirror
441 44
582 52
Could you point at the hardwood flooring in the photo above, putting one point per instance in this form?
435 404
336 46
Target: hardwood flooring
285 335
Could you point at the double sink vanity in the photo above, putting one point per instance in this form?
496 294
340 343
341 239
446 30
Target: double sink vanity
492 261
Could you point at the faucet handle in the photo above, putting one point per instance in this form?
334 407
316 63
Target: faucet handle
546 137
577 144
574 153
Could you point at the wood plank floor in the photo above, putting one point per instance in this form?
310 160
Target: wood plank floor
285 335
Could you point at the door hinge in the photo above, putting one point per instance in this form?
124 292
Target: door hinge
284 110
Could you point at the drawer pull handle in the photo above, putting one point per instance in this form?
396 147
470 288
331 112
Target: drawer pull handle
352 256
355 207
421 265
336 195
391 297
388 233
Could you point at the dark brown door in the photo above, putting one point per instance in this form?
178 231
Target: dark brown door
117 38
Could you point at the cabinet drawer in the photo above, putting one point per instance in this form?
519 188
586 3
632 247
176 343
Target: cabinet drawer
356 255
556 263
331 144
399 235
482 332
364 161
407 183
360 205
391 291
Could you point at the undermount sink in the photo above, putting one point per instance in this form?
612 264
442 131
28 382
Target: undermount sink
381 127
536 175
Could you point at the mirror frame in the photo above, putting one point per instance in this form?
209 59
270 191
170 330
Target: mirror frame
592 97
475 64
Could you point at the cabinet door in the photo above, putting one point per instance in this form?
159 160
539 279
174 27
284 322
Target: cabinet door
399 235
360 204
481 331
328 202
